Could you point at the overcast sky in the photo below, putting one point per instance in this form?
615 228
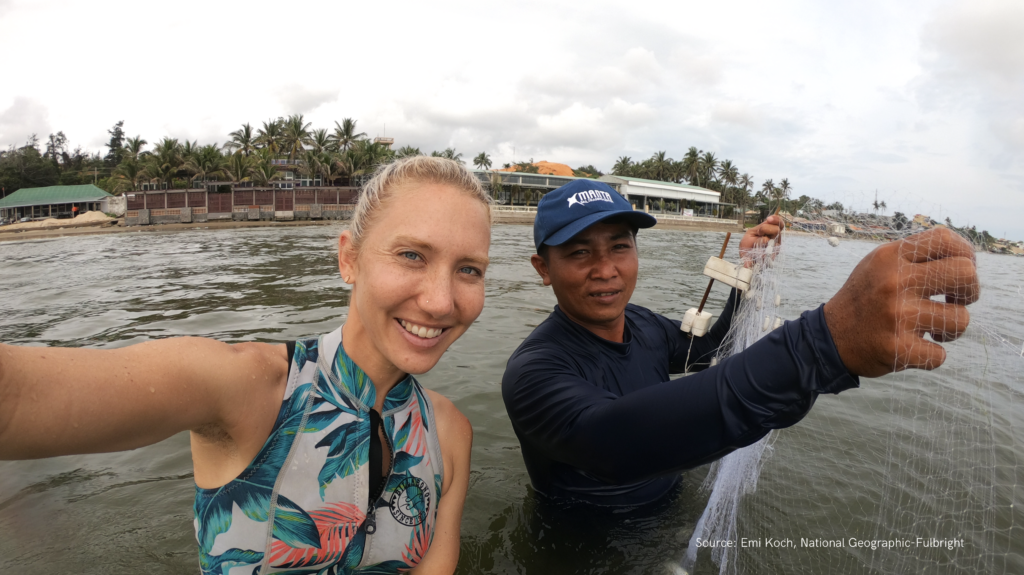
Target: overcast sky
922 101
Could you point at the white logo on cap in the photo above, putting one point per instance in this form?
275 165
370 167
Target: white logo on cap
588 196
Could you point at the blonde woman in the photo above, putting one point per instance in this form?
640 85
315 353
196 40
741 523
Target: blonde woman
320 456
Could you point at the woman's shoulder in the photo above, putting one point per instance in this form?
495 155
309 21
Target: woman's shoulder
450 421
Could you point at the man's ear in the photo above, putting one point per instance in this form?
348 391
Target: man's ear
542 268
347 256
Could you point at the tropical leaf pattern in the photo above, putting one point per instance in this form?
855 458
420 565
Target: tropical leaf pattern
316 458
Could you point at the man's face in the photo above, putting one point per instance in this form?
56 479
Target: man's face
593 276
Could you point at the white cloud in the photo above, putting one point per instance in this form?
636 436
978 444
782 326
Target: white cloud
300 99
22 119
974 63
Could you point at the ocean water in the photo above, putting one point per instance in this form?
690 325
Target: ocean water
891 459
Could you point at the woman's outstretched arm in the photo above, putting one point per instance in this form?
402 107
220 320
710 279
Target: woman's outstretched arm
60 401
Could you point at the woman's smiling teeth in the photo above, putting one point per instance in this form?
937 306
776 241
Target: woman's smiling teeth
419 330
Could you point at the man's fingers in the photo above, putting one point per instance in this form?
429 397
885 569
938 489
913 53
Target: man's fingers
945 322
916 353
935 244
954 277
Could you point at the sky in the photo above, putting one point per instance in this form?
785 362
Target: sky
920 102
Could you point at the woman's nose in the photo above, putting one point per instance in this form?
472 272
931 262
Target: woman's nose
437 298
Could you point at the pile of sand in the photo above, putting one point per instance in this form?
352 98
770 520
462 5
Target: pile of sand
87 218
549 168
90 217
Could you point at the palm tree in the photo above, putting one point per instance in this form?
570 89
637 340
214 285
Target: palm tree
164 161
238 167
692 166
660 166
269 137
746 184
482 161
785 188
408 152
728 173
264 172
133 147
878 206
295 136
128 173
189 149
365 156
204 162
321 141
448 154
496 187
708 167
329 168
767 191
243 140
345 134
623 166
311 166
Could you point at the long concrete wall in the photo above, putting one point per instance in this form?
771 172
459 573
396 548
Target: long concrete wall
264 213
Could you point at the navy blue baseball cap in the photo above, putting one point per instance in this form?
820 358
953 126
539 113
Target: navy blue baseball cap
574 207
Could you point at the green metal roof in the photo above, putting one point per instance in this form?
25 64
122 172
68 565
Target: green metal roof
53 195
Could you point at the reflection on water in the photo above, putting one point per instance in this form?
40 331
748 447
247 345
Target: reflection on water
131 512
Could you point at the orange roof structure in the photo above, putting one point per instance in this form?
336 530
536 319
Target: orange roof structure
550 168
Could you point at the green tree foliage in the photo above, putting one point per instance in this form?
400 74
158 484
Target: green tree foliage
243 140
133 148
295 136
271 135
25 167
345 134
408 152
115 145
205 163
482 161
526 167
165 161
448 154
588 171
238 167
320 141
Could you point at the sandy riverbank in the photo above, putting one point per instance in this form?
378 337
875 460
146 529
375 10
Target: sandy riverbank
116 227
36 232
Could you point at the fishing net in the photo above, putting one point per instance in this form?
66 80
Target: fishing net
915 472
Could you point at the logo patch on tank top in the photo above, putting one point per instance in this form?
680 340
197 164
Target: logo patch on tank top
410 501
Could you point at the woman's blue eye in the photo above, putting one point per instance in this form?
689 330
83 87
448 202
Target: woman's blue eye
411 255
469 270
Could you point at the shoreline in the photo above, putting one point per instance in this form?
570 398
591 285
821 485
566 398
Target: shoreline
118 227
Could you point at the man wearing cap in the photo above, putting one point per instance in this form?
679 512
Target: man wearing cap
589 393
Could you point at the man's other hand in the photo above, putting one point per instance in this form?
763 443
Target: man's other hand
758 237
880 316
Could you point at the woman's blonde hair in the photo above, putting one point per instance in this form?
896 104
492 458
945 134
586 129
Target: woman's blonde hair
414 170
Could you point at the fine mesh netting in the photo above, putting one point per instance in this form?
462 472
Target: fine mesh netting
915 472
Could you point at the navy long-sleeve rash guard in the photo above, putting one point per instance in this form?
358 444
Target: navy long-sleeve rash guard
601 422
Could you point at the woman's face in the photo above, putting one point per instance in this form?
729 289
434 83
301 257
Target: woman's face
418 278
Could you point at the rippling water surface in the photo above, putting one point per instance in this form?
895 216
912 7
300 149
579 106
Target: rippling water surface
868 457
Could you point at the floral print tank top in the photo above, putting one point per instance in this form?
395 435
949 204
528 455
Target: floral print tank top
303 504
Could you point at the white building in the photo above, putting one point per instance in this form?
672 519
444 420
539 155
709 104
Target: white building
667 198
